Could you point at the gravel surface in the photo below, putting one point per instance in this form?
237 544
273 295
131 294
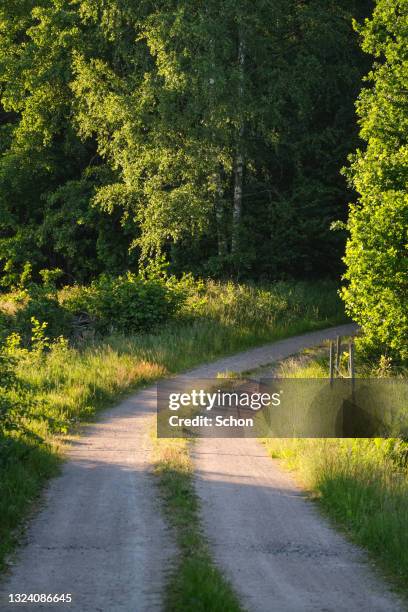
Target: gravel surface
277 550
100 534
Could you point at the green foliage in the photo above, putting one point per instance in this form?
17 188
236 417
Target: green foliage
129 303
119 126
259 308
42 306
376 255
34 306
14 403
167 116
50 278
126 303
47 174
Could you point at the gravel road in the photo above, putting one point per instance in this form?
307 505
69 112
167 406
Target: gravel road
276 549
99 533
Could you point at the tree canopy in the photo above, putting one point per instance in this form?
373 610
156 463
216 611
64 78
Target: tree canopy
212 132
376 255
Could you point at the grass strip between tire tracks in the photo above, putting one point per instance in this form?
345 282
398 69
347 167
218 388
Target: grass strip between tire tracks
195 583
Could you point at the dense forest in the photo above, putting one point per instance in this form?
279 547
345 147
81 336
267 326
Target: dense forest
218 136
210 133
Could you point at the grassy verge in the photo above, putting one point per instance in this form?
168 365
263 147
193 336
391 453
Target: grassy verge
196 583
360 483
68 385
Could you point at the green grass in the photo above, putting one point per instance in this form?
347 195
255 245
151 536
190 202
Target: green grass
360 483
68 385
195 582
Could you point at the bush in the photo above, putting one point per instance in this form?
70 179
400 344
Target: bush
5 325
127 303
14 402
43 306
378 274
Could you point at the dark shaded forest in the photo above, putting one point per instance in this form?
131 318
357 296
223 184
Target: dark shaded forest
214 134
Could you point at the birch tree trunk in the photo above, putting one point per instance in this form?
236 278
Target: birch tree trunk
219 216
239 156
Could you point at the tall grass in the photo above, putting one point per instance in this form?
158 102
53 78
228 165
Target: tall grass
70 384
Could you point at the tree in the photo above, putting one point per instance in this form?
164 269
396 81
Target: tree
209 131
47 174
164 116
376 255
228 124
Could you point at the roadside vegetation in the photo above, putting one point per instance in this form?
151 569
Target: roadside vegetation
195 583
361 483
68 353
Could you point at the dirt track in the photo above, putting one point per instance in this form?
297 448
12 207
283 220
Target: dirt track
272 543
277 550
100 534
101 537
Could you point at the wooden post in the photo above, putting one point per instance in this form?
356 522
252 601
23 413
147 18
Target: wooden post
338 351
352 372
331 361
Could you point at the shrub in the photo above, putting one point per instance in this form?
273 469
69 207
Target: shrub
13 399
127 303
43 306
5 324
